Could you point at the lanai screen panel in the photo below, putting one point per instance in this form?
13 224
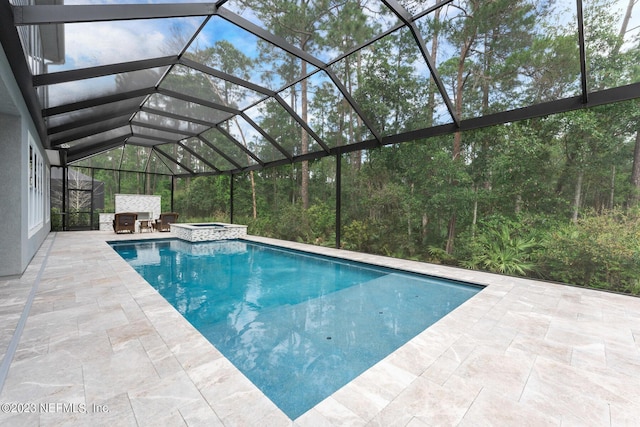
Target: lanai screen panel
186 110
231 149
391 82
614 61
324 29
208 152
283 128
214 159
249 137
326 110
208 88
157 165
92 44
185 160
258 83
135 158
173 156
144 141
82 90
93 114
74 135
181 128
95 140
110 159
505 55
230 49
157 134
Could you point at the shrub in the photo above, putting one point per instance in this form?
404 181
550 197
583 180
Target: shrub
56 219
599 251
356 236
501 248
322 220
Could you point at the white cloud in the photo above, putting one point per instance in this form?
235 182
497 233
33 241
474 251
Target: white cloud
94 44
101 43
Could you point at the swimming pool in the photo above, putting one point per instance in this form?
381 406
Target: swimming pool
299 326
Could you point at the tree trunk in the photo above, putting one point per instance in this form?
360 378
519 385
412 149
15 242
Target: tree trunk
253 195
613 186
356 156
409 213
434 56
623 26
475 214
138 174
251 177
148 184
451 230
304 140
425 222
457 137
244 142
432 99
275 191
576 199
450 235
634 197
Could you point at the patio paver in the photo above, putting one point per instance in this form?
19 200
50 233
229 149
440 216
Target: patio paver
101 347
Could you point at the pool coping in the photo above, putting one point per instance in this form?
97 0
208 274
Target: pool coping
497 357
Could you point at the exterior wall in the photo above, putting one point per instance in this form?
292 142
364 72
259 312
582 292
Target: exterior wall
138 203
132 203
106 221
10 195
18 244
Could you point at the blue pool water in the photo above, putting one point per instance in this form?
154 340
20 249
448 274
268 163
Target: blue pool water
298 326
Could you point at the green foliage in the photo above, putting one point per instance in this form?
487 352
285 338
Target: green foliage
205 197
357 235
261 226
322 221
600 251
440 256
56 219
512 188
501 248
293 224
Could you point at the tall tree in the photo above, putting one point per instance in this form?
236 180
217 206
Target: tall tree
634 195
348 28
227 58
298 23
486 33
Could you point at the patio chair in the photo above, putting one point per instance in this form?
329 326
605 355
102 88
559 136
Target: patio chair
125 221
162 223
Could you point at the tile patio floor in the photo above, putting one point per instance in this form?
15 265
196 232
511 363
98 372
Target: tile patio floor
100 347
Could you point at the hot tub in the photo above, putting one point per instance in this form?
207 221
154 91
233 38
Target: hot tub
208 231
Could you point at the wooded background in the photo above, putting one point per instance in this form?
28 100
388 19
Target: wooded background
555 197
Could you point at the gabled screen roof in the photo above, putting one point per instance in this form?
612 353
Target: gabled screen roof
237 85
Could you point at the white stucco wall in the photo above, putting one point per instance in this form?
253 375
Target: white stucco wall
17 244
138 203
